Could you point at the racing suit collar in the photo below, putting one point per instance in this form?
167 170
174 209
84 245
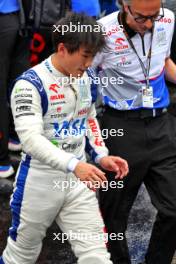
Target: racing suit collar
53 69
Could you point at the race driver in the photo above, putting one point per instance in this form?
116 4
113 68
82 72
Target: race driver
55 121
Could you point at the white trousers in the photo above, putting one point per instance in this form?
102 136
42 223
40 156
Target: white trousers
40 197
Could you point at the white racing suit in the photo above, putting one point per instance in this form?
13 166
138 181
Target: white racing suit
55 122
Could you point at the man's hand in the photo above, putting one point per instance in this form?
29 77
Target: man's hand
116 164
90 174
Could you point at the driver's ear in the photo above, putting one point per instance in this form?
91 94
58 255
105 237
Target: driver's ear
61 49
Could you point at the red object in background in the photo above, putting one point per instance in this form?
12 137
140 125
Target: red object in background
38 43
34 59
37 46
1 135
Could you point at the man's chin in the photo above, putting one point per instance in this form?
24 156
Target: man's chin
142 32
77 74
80 73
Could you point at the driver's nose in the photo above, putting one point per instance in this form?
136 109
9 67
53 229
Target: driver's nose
88 62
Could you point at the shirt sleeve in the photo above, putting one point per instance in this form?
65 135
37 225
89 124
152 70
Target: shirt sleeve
98 60
95 145
29 125
172 32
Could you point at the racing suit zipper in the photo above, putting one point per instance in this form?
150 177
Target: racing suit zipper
143 45
76 101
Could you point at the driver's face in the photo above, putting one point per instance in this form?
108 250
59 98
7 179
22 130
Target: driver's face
75 64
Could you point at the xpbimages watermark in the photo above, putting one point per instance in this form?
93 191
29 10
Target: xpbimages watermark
103 81
72 27
93 130
105 237
71 184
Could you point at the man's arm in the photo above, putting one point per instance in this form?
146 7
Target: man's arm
170 70
28 118
95 146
